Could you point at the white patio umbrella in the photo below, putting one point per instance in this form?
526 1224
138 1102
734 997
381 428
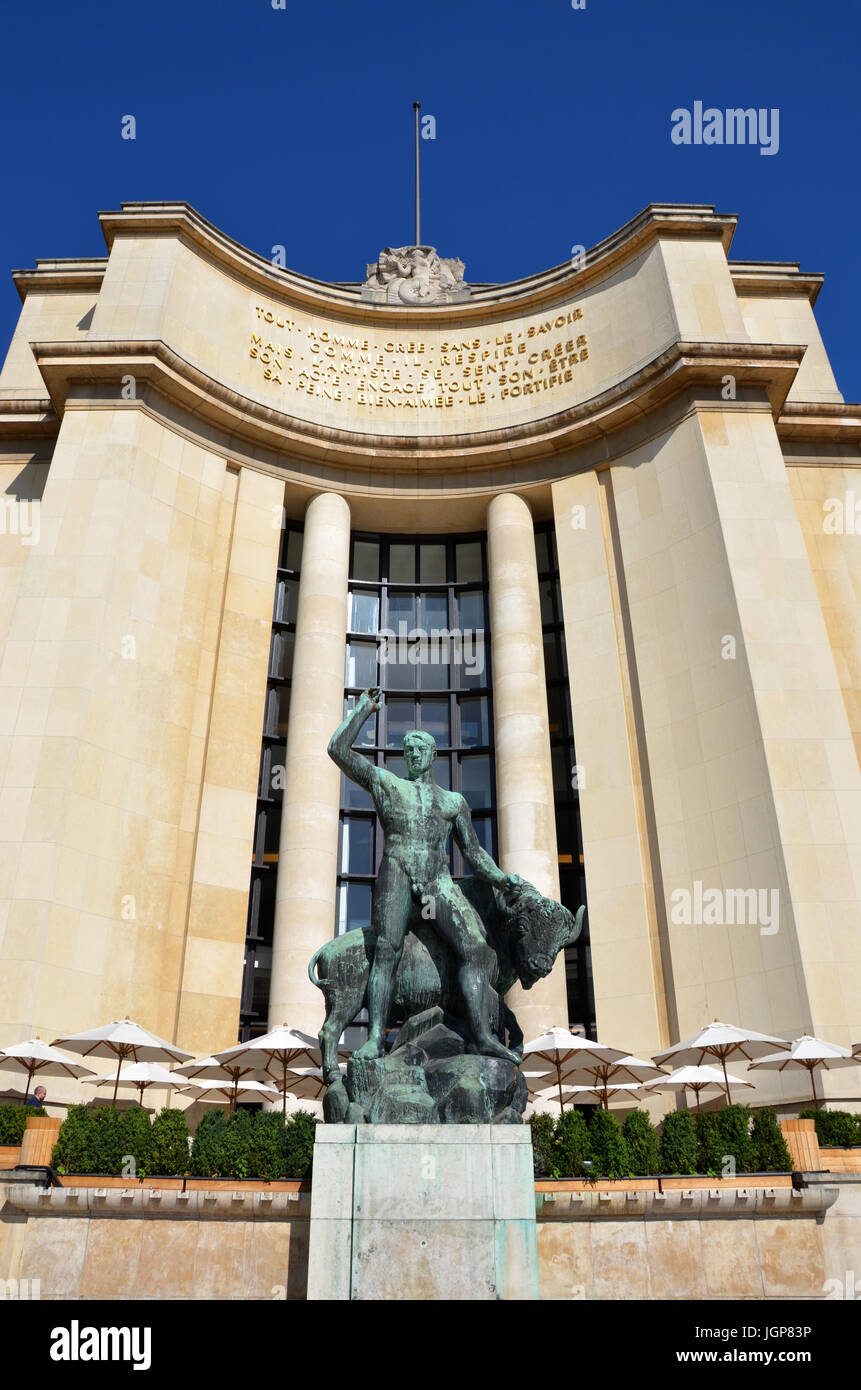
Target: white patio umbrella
230 1091
810 1053
613 1072
599 1095
140 1075
230 1074
307 1083
278 1052
34 1056
122 1039
696 1079
723 1041
558 1052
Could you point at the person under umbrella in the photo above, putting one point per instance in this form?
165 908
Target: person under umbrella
809 1053
696 1079
123 1039
723 1041
35 1057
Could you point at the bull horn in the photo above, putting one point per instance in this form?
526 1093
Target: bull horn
578 926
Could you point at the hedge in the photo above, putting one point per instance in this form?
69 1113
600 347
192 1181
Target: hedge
835 1128
254 1146
13 1120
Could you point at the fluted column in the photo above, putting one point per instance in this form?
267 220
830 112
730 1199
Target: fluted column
308 849
524 780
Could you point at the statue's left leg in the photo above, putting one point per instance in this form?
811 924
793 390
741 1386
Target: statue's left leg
459 926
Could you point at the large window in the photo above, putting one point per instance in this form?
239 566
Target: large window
567 778
417 625
254 1003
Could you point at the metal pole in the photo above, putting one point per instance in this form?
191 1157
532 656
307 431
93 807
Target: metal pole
417 106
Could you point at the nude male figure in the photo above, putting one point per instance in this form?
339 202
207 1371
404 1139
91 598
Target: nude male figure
417 818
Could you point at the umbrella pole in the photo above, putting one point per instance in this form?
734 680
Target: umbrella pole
559 1083
29 1079
284 1090
813 1083
725 1078
117 1081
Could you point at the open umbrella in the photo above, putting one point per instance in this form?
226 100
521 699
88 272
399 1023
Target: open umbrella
140 1075
224 1073
122 1039
230 1091
307 1083
608 1072
278 1053
723 1041
559 1052
36 1056
599 1095
696 1079
810 1053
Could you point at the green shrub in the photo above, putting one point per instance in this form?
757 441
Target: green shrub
678 1143
542 1145
74 1151
837 1128
734 1128
572 1146
13 1121
206 1151
641 1138
609 1151
101 1140
267 1146
770 1152
710 1144
299 1144
135 1133
169 1144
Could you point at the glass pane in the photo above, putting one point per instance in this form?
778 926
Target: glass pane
368 732
261 977
472 670
397 766
353 797
273 772
542 552
400 718
432 564
293 558
402 564
366 561
364 613
442 773
561 772
556 712
354 906
357 838
475 780
277 707
551 662
361 665
468 564
545 594
433 612
272 831
470 610
402 609
474 723
286 601
433 668
435 721
399 672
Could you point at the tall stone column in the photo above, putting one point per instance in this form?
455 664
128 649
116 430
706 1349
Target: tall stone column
524 779
308 849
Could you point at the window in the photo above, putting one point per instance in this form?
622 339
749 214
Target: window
569 839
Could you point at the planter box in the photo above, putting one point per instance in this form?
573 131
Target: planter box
800 1137
834 1160
599 1185
106 1183
9 1156
665 1183
247 1185
127 1184
748 1180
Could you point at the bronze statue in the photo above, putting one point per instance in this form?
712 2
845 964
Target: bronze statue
465 946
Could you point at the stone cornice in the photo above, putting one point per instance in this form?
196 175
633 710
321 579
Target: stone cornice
820 420
84 273
27 417
774 278
69 367
183 221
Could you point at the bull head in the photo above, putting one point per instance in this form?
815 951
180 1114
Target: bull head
543 928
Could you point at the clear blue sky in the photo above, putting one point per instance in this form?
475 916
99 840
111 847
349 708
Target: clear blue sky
553 129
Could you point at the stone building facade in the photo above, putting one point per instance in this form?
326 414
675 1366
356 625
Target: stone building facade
595 529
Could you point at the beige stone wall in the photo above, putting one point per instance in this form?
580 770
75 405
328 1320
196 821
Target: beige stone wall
55 316
705 304
830 496
789 318
22 482
106 702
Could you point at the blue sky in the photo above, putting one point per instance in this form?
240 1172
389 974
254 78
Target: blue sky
294 127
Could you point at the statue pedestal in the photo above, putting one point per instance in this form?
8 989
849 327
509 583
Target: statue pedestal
423 1212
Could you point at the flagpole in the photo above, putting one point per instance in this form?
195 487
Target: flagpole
417 106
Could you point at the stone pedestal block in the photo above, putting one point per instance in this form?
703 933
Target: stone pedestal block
423 1212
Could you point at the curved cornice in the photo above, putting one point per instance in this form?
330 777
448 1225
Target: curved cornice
67 367
487 301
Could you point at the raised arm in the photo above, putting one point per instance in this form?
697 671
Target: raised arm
356 767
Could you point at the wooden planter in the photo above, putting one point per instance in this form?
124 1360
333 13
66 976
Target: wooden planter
9 1157
800 1136
37 1145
